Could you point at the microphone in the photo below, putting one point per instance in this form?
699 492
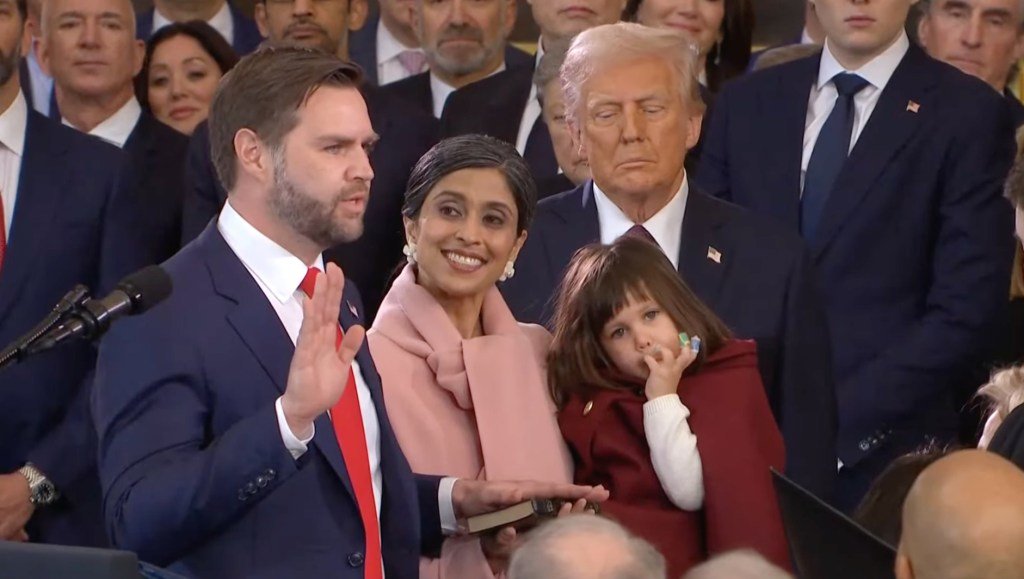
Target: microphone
134 294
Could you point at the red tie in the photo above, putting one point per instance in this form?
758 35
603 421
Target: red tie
348 428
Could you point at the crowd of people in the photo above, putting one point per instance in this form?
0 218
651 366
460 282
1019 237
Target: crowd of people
420 274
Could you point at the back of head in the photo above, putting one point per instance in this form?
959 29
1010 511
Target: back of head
964 519
742 564
585 547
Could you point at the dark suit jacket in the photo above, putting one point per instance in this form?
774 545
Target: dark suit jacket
1016 108
553 186
362 48
370 260
913 247
738 443
192 463
763 289
66 231
247 35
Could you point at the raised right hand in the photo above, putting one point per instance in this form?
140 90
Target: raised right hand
319 371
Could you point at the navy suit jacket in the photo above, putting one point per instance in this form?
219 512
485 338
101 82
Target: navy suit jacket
362 48
762 288
914 247
371 260
246 35
194 471
66 230
1016 109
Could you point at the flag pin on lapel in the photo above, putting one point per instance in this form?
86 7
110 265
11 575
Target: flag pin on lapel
913 106
352 309
714 255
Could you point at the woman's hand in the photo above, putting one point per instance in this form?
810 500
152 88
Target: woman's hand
666 369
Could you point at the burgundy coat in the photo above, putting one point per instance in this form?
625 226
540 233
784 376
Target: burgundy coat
738 441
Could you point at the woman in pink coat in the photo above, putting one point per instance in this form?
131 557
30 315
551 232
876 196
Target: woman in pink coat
464 383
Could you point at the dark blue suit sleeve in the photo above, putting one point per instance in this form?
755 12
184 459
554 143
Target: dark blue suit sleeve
969 275
204 195
430 515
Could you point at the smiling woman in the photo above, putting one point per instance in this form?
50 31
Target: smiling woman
464 383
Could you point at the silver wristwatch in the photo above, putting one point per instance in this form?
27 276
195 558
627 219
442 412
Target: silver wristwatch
43 491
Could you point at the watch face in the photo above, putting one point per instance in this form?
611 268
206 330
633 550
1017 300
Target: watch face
44 494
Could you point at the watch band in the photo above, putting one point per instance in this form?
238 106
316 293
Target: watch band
43 491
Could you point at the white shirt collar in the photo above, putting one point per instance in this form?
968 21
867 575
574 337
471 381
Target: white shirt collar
665 226
439 90
877 71
272 264
221 22
14 125
388 47
119 126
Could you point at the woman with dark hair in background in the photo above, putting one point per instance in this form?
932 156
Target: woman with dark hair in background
722 31
184 63
464 383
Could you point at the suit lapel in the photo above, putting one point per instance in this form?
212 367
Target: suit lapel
705 254
891 125
40 190
580 227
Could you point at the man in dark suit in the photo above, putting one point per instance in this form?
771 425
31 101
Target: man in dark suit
463 42
984 38
59 226
505 106
237 28
387 48
405 136
892 173
99 99
217 452
635 124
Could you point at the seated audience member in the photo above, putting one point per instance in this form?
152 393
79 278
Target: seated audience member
720 31
386 48
632 101
297 473
459 373
659 403
964 519
506 105
59 227
741 564
881 510
983 38
236 28
463 42
573 168
404 136
183 64
89 48
585 547
1004 393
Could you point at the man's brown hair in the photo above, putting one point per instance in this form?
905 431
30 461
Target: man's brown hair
264 92
598 283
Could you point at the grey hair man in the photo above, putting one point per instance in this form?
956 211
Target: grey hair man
741 564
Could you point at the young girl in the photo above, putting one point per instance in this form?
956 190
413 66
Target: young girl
666 427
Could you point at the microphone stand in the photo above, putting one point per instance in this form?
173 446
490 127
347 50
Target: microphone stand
22 347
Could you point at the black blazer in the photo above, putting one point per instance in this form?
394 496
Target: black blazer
369 261
246 35
362 48
1016 108
763 288
914 246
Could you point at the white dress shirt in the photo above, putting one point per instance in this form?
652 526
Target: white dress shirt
532 111
440 90
117 127
41 84
823 97
666 226
221 22
389 68
279 273
13 125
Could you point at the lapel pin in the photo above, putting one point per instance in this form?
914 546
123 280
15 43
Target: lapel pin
913 106
589 406
714 255
352 309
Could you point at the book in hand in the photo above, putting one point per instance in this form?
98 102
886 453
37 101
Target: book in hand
521 516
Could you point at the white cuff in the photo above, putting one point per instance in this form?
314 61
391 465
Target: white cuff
294 445
449 526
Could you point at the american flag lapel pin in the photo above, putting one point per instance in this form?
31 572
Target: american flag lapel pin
913 106
714 255
352 309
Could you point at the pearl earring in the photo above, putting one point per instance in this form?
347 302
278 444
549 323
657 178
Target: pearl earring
510 271
410 253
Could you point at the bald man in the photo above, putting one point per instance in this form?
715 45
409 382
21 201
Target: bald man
964 519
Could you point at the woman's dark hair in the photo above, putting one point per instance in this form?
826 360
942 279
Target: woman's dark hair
881 509
207 37
598 283
472 152
729 57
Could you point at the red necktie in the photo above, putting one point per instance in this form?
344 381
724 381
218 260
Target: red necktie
640 232
348 428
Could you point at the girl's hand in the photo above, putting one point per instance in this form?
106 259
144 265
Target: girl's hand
666 369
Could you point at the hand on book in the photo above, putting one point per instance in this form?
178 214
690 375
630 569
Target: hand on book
475 497
498 546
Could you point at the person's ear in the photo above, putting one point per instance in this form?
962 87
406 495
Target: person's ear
254 158
358 10
260 12
412 230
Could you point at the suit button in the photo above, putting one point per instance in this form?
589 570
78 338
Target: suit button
864 445
261 482
242 496
356 559
270 474
250 488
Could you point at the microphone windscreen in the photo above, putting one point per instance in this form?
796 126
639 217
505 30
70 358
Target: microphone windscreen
146 287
